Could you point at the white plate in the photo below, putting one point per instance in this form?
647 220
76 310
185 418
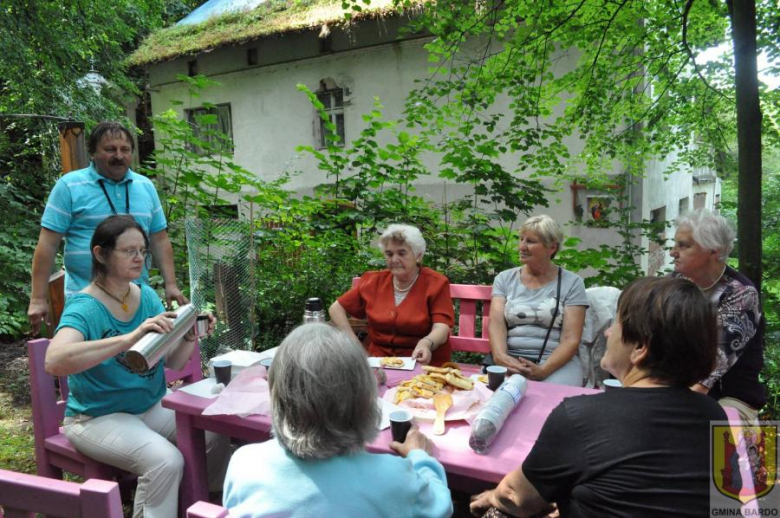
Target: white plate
202 388
408 365
477 378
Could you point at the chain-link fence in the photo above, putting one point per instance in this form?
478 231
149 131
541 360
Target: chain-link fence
222 269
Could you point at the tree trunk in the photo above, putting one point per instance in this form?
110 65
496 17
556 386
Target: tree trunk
743 24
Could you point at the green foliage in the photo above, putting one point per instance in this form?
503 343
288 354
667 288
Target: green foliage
48 47
298 260
770 377
194 170
623 77
17 242
27 171
469 238
771 246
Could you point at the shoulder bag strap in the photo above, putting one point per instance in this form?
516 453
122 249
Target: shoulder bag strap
555 315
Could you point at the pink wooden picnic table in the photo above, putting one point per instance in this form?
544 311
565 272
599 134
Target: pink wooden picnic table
465 469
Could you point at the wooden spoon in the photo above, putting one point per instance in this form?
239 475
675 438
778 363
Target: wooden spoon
441 402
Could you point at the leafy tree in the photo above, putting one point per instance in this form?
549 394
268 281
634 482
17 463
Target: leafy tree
48 47
637 89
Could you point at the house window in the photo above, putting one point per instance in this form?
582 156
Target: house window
212 125
699 200
192 68
658 215
333 101
683 206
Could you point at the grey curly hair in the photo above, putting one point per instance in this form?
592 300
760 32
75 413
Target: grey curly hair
323 394
408 234
712 231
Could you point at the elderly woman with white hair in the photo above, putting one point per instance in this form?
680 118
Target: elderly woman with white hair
537 311
702 245
408 306
325 411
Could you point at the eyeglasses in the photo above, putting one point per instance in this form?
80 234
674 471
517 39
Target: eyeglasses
131 253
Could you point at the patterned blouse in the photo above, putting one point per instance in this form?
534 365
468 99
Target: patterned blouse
740 337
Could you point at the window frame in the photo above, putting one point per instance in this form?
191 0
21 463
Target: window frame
222 111
335 111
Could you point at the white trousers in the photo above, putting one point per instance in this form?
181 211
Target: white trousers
143 444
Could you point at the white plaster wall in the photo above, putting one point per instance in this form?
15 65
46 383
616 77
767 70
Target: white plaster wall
663 187
271 118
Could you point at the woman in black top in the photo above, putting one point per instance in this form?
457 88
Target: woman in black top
642 450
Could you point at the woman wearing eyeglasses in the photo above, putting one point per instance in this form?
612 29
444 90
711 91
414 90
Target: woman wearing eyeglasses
113 414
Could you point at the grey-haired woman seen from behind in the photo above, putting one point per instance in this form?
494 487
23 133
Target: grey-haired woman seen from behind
325 411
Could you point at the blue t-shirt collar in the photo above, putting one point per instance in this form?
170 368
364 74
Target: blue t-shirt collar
95 176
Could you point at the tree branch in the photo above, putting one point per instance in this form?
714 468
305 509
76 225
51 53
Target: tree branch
686 12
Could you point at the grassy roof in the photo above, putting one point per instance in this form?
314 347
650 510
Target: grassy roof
270 17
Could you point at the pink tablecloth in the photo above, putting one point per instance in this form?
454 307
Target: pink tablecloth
510 447
465 469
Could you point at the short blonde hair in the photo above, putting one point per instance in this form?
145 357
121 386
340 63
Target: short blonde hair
404 234
548 230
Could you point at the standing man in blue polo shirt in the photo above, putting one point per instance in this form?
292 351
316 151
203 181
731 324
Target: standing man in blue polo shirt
82 199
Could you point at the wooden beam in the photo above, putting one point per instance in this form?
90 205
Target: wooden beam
72 148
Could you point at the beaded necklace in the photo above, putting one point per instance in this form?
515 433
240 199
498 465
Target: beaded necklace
122 301
716 280
399 290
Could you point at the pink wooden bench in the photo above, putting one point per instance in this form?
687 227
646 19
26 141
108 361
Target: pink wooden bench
467 338
53 451
203 509
23 495
469 296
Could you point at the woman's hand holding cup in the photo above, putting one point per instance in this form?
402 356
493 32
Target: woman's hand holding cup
415 440
204 326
